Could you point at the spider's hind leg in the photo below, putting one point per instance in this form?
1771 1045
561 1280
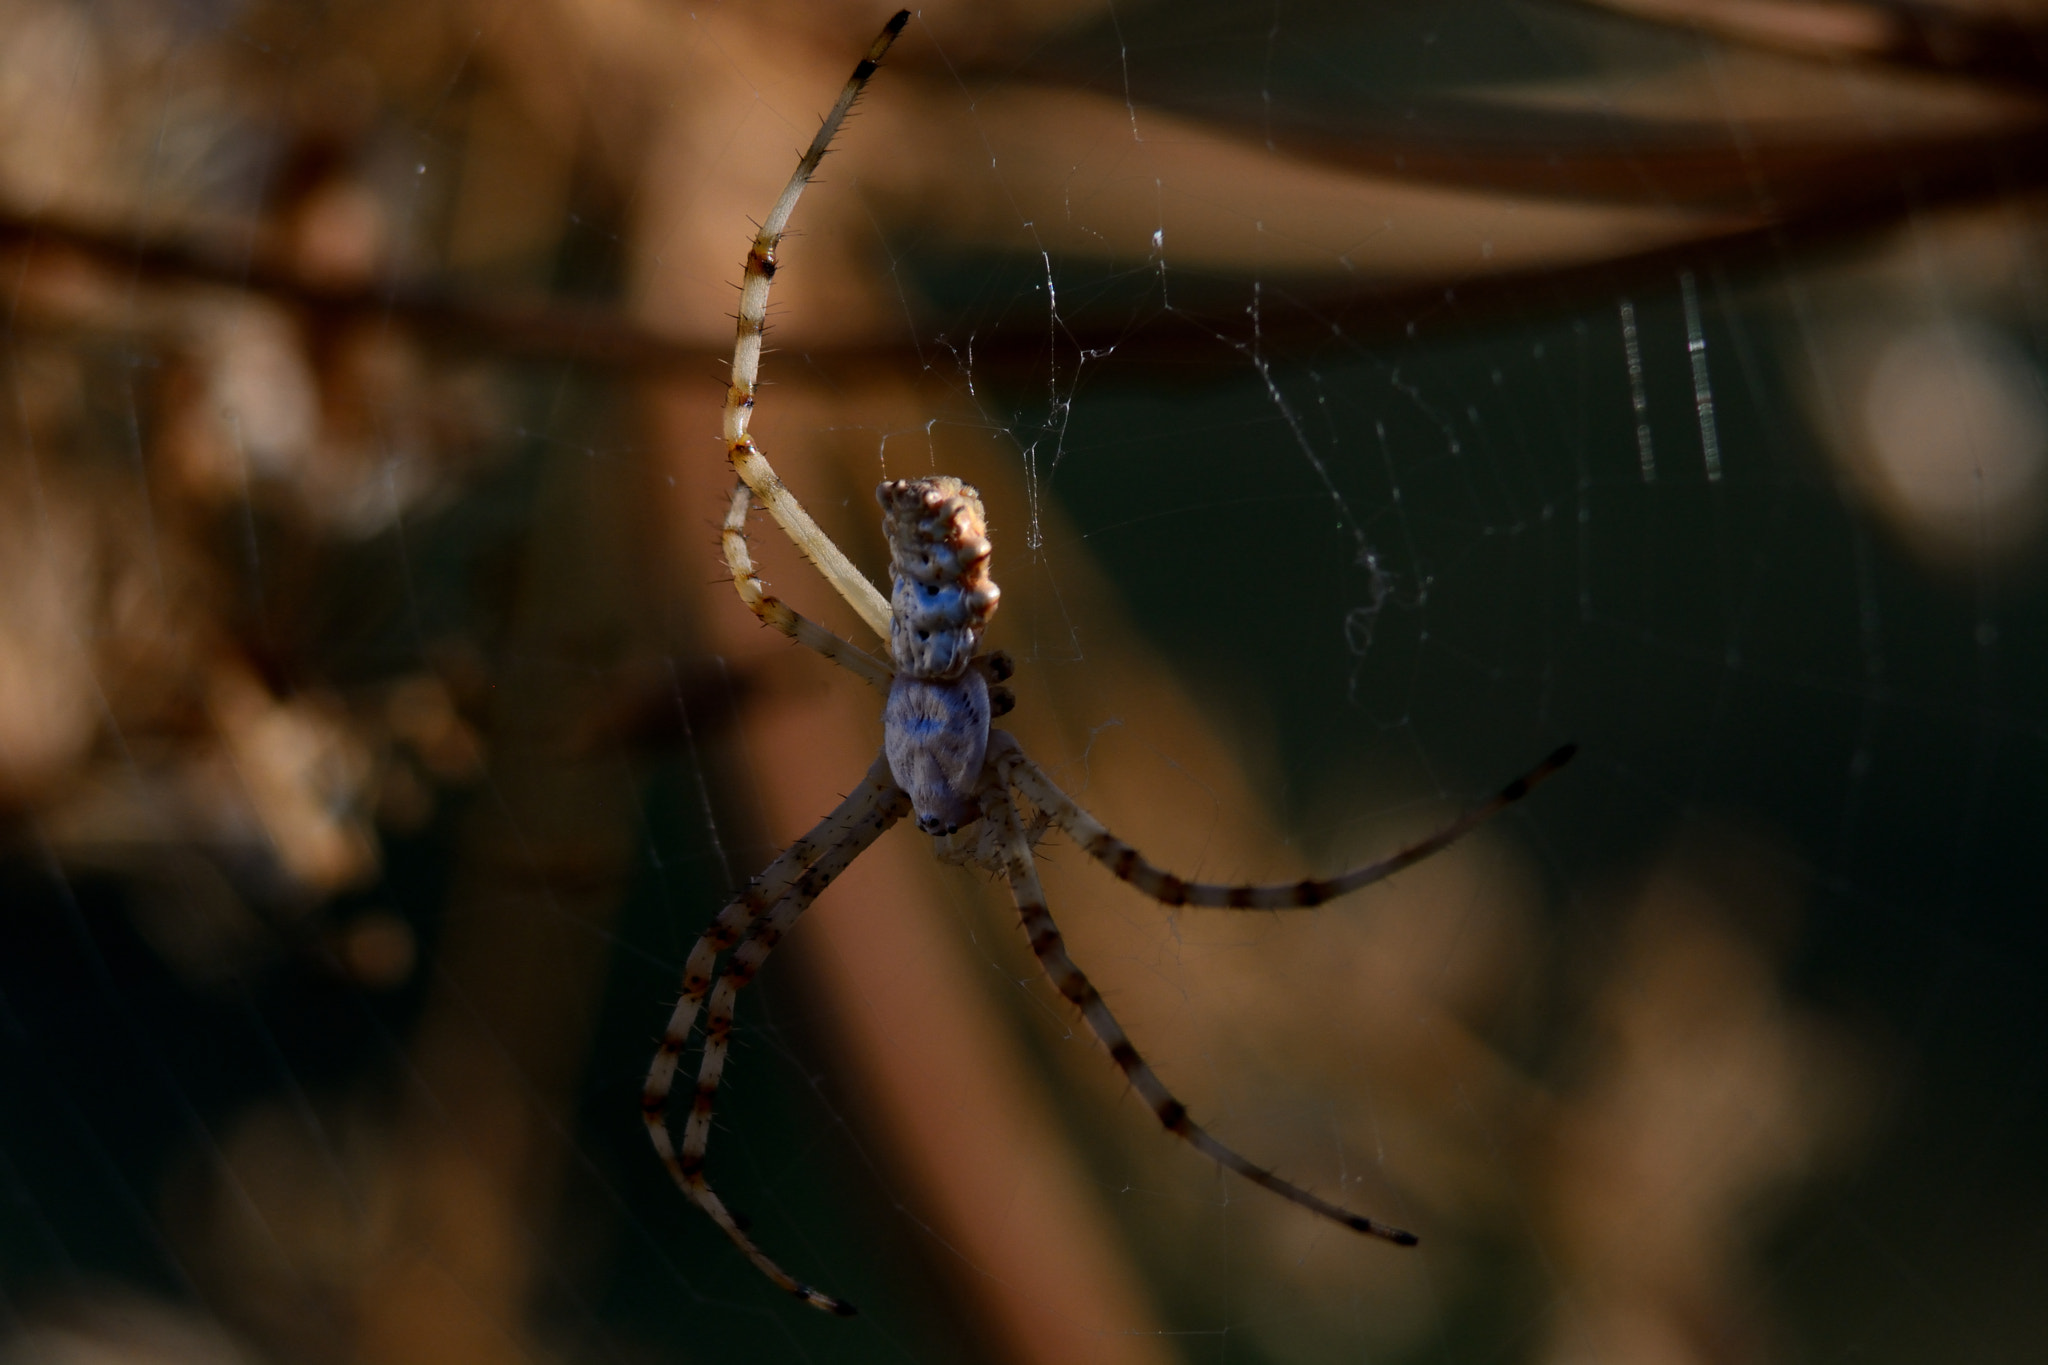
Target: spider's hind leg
747 460
773 611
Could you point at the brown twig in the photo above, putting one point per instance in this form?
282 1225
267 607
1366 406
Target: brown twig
1803 197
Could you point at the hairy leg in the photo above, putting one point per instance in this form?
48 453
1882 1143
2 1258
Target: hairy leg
774 884
1126 862
1069 980
747 461
745 963
775 612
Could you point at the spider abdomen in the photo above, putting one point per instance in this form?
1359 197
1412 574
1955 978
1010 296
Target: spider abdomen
935 733
941 593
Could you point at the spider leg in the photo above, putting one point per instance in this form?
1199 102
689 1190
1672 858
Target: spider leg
881 811
747 461
1126 862
771 887
1051 949
780 615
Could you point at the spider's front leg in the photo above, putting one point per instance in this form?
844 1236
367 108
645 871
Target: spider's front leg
1051 950
756 921
1132 866
732 923
880 812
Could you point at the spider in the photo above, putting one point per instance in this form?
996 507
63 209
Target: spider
940 762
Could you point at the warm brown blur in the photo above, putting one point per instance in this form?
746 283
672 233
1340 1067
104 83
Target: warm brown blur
167 709
1705 1098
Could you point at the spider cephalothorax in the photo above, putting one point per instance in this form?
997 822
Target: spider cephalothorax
935 725
939 760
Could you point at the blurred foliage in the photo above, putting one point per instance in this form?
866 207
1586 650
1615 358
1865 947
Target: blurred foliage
1368 398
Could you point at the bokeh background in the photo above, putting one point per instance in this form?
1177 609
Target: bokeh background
1367 397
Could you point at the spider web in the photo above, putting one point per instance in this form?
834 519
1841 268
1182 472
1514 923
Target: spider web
1367 400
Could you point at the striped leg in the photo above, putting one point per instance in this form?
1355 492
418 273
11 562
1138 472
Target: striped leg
745 963
747 461
1071 983
1126 862
772 886
775 612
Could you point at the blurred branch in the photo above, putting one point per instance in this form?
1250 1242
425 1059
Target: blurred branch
1795 176
1840 202
541 329
2008 47
1809 196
